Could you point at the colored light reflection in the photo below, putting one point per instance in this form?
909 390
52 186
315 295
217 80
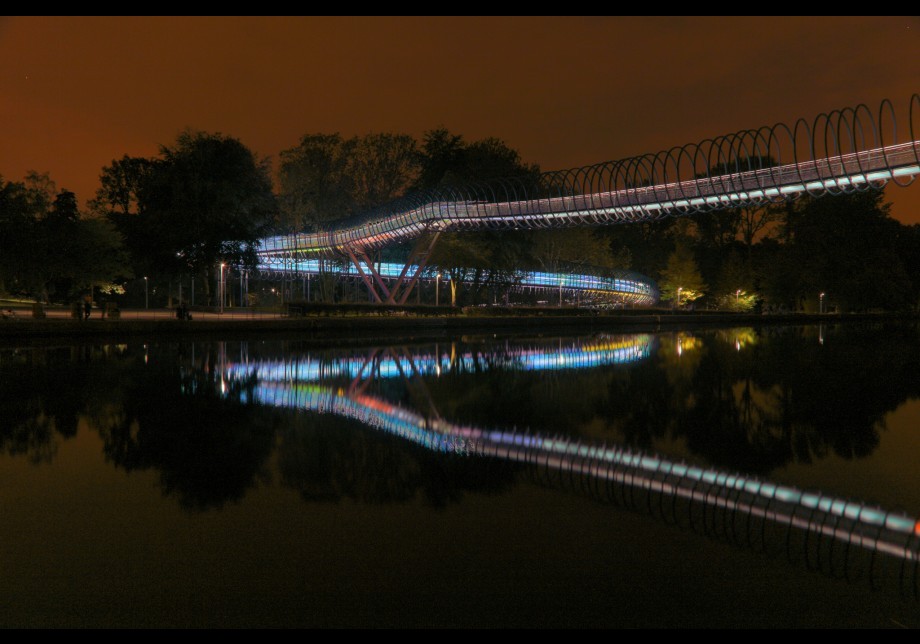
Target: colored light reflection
614 350
292 385
843 520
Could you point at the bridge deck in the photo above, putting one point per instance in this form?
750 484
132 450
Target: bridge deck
844 173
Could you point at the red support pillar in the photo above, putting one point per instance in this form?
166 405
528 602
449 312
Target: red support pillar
383 295
420 250
367 280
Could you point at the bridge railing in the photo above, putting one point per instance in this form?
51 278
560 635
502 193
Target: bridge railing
839 152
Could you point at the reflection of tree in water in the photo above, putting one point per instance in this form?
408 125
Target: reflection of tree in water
329 459
639 405
788 397
43 392
208 449
740 398
492 395
839 392
730 420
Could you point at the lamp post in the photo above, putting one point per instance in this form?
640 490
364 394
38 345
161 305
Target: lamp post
146 300
821 303
679 289
437 288
220 289
560 293
737 294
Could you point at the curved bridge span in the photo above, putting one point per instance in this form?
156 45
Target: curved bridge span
840 152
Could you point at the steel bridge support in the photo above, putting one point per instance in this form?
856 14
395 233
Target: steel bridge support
415 384
400 291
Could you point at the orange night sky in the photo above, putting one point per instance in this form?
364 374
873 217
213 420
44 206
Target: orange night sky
78 92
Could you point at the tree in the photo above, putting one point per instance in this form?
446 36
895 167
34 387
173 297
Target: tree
756 219
441 155
18 218
118 201
314 182
206 200
447 160
77 254
721 228
648 244
59 246
484 260
47 249
681 276
383 167
561 249
41 189
102 261
734 288
846 246
717 230
120 186
328 178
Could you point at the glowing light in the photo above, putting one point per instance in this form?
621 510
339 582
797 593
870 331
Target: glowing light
630 468
635 289
627 204
287 384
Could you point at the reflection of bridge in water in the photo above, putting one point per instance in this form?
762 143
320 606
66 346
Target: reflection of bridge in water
844 151
378 363
843 537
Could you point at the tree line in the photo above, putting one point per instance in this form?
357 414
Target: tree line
207 199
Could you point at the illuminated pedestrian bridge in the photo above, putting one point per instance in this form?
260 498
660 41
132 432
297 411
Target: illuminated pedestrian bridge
841 152
617 286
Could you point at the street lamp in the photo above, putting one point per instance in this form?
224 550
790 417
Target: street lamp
146 300
737 294
437 289
221 289
679 289
821 303
560 293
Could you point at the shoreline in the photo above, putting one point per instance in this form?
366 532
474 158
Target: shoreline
343 326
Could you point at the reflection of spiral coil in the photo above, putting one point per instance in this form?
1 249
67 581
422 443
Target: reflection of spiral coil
840 538
839 152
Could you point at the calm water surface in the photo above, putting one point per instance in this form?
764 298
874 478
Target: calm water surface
723 478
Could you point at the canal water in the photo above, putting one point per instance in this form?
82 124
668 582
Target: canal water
725 478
